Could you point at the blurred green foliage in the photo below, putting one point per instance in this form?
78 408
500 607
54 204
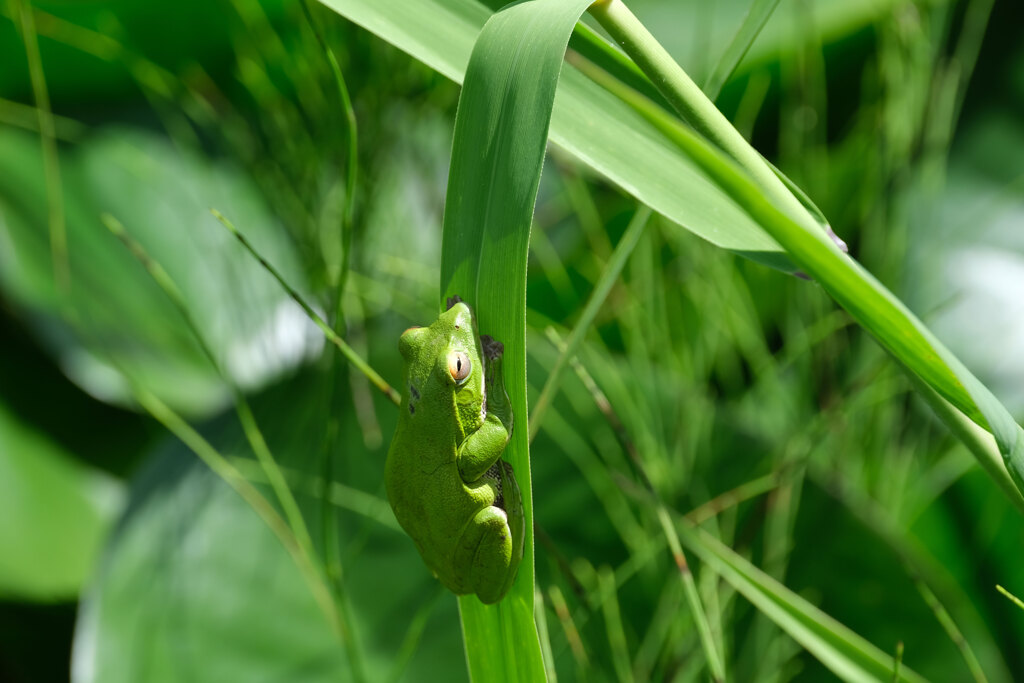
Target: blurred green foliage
721 371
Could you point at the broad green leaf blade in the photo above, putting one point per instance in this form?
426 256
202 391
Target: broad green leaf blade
501 133
845 653
54 513
196 587
589 122
162 195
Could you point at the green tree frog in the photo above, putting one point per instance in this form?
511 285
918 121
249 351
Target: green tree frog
446 481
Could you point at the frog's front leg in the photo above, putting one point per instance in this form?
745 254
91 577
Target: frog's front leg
481 449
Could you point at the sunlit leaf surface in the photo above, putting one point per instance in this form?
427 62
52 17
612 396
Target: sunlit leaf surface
162 195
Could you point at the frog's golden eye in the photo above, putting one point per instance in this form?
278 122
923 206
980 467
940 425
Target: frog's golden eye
459 366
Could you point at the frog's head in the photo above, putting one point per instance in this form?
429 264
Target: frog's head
445 357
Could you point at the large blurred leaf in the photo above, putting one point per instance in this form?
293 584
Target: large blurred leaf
54 513
588 121
195 587
162 195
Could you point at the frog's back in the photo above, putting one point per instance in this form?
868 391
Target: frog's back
419 475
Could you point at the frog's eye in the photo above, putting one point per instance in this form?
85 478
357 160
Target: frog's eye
459 366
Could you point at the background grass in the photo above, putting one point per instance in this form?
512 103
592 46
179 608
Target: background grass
722 375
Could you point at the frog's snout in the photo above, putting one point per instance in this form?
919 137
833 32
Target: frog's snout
459 314
407 342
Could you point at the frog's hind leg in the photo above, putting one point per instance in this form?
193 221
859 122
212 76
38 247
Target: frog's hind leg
486 550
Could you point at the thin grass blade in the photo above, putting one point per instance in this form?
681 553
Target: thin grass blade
597 298
753 22
845 653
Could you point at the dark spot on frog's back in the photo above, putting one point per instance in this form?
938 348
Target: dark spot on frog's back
414 395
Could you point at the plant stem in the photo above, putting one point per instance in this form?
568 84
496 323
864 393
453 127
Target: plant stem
757 16
331 335
611 273
715 664
1010 596
295 532
690 102
25 19
352 158
338 278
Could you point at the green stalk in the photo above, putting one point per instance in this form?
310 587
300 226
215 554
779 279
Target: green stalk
329 516
781 214
923 570
541 616
29 118
715 663
1010 596
896 662
352 157
331 335
572 633
613 625
48 139
757 16
611 273
951 629
707 641
690 101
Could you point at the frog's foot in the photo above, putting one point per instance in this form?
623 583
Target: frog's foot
492 348
452 300
485 554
